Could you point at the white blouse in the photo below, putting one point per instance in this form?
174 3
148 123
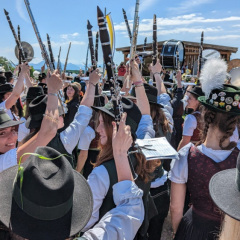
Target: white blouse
8 159
179 168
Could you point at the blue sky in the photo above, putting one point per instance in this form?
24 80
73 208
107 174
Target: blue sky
66 20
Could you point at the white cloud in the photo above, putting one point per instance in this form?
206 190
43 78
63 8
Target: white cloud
67 36
180 30
20 10
223 37
146 24
237 25
58 44
187 5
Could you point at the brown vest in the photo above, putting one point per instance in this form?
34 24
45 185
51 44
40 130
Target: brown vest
200 170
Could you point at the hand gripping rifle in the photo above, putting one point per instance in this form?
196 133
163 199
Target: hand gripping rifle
107 54
66 61
127 25
44 52
50 51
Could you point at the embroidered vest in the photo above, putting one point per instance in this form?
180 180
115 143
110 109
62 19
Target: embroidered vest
196 133
200 170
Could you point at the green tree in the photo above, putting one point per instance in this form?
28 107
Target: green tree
6 64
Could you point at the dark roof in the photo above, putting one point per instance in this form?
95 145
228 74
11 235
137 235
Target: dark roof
186 43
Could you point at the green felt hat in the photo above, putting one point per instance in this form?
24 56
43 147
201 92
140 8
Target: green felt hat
225 100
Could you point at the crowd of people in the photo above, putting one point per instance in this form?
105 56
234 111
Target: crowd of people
69 171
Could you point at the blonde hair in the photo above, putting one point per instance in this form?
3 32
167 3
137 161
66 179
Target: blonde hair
230 229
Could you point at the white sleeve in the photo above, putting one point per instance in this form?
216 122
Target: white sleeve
22 131
2 105
123 221
179 167
8 159
99 183
189 125
86 138
70 136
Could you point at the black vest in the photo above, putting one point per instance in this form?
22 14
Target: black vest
108 203
57 144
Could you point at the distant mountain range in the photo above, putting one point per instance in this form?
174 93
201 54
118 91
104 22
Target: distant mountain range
70 66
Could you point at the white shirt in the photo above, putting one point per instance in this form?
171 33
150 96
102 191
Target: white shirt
86 138
190 124
3 105
71 135
179 168
22 130
8 159
123 221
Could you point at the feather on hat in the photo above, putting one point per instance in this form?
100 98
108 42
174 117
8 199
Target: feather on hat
213 75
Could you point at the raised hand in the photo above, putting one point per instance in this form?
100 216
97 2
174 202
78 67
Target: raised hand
94 77
54 82
135 73
121 138
157 68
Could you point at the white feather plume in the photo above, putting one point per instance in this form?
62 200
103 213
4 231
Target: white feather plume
213 75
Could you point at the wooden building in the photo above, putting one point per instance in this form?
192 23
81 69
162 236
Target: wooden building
191 51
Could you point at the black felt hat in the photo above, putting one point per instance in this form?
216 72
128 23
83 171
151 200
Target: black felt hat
6 121
41 76
133 113
197 91
54 202
225 99
3 80
4 88
224 188
44 86
8 75
151 93
34 92
36 110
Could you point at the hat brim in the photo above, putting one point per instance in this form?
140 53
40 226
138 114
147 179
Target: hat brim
158 104
193 93
10 123
224 192
31 228
203 101
103 109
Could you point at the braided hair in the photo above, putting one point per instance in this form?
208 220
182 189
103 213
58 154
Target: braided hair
226 123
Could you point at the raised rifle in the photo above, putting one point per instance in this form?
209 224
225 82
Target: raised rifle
91 46
19 39
19 45
154 42
96 49
44 53
59 67
200 54
66 61
145 44
108 59
127 25
50 51
86 64
134 37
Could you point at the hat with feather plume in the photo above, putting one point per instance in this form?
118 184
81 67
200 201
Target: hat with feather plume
219 97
